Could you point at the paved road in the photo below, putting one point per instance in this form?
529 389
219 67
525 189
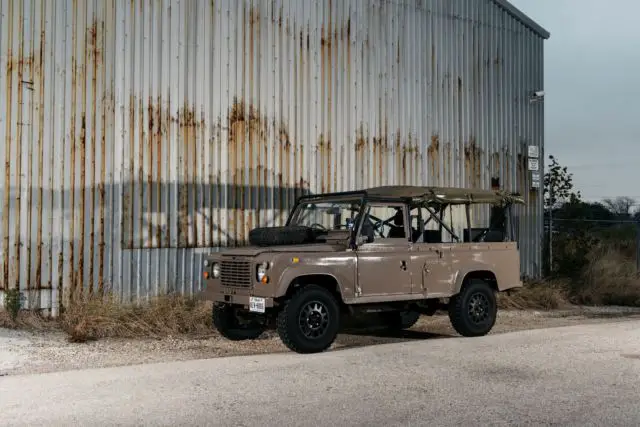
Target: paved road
581 375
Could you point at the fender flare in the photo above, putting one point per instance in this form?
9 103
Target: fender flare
290 275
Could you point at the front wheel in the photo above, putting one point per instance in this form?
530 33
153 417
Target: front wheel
309 321
473 311
232 326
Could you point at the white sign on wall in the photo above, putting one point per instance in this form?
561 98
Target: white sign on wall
534 164
533 151
535 179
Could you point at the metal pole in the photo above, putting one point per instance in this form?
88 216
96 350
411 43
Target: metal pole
551 228
638 246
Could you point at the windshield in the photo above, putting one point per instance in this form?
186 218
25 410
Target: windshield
327 214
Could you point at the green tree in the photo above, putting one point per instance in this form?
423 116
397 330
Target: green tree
558 186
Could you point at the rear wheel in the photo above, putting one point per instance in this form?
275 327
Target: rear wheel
398 320
473 311
231 325
310 320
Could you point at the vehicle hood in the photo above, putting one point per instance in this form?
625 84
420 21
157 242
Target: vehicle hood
257 250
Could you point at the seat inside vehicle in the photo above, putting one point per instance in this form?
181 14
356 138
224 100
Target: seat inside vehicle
432 236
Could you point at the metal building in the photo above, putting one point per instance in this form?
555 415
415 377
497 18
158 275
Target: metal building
138 135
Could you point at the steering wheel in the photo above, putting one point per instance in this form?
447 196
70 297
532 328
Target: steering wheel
377 224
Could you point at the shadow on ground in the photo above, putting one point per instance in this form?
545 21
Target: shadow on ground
366 331
599 312
364 338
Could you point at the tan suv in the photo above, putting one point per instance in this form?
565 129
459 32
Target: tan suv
393 251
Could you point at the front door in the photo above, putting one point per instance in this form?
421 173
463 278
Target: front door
384 260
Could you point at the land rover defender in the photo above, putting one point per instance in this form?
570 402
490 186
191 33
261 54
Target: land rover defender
395 251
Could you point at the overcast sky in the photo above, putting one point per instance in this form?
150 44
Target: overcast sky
592 91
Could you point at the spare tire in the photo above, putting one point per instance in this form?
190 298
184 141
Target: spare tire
278 236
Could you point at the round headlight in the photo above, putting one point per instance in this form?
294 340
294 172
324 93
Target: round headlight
216 270
262 271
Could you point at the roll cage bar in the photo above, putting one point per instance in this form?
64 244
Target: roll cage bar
435 200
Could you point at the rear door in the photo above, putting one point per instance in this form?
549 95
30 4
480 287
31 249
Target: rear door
431 260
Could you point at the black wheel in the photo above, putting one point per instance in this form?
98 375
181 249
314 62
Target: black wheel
233 327
309 321
473 311
398 320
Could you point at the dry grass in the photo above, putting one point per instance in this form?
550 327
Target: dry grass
537 296
611 278
27 320
95 318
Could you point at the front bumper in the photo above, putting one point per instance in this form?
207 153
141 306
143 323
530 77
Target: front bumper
240 299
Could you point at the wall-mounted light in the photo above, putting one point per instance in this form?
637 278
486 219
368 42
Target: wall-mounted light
536 96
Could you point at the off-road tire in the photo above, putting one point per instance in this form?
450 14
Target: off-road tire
280 236
460 309
288 320
399 320
225 322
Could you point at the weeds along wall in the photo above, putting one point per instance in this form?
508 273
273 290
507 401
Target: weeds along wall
139 135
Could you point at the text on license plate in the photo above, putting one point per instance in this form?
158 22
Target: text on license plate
257 304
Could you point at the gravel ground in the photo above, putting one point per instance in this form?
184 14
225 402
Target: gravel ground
24 352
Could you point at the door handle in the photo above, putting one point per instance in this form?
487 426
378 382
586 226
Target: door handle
403 265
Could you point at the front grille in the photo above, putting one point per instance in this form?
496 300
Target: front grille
236 273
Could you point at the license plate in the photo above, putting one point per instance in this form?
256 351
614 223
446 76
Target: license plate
257 304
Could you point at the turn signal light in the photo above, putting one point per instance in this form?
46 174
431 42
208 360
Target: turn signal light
264 280
206 274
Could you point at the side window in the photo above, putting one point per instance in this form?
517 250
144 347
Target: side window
429 231
384 221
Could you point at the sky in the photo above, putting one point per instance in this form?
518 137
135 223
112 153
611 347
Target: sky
592 91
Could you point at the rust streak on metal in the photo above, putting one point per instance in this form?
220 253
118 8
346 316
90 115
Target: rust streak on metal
4 284
404 149
236 136
22 63
321 152
92 57
83 204
360 146
61 290
101 186
28 73
161 124
522 172
149 178
188 126
473 161
507 168
433 153
94 48
72 142
40 145
128 211
399 158
495 173
139 178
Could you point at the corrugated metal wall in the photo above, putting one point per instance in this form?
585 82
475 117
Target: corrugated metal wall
138 135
